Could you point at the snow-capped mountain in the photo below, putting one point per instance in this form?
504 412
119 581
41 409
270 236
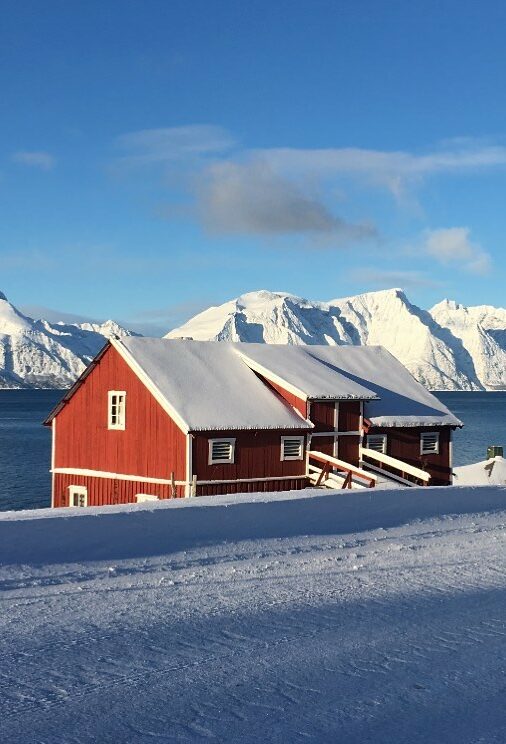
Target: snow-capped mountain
447 348
38 354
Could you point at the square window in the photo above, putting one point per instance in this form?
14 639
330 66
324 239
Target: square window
292 448
78 496
221 451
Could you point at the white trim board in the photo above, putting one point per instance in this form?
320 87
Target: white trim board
53 458
335 433
149 384
115 476
162 481
251 480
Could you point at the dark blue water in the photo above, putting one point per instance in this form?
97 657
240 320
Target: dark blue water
484 416
25 448
25 445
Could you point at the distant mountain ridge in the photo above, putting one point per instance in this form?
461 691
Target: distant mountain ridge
450 347
39 354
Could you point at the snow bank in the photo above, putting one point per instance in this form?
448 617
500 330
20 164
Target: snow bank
156 528
303 617
490 472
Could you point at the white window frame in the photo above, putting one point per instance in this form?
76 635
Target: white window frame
383 449
423 436
292 457
231 459
78 491
120 423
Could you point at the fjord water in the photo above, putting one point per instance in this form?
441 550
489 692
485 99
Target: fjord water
25 445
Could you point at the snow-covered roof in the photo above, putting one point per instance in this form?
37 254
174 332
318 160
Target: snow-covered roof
303 372
402 401
393 397
208 385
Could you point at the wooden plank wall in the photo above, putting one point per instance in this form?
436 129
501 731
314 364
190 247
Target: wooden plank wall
405 445
151 445
257 455
105 491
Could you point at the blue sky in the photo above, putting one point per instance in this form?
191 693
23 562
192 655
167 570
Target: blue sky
159 157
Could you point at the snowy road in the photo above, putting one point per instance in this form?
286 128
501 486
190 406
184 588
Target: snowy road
393 634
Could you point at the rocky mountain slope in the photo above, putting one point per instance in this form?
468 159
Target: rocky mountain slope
450 347
38 354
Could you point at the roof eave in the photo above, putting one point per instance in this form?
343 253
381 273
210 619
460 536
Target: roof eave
77 384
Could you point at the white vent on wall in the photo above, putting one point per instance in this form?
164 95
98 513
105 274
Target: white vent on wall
221 451
292 448
429 443
377 442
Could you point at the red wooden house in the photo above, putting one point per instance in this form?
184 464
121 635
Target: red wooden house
158 418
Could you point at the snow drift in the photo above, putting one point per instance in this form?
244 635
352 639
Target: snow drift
278 618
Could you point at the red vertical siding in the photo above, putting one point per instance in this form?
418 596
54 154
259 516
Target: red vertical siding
299 404
151 444
108 491
347 449
349 415
404 444
322 414
257 455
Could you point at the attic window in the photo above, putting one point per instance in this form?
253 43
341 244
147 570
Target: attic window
116 409
78 496
377 442
292 448
221 451
429 443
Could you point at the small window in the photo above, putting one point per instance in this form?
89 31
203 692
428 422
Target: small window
429 443
221 451
78 496
292 448
377 442
116 412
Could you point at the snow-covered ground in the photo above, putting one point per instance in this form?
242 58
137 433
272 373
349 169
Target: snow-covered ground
326 617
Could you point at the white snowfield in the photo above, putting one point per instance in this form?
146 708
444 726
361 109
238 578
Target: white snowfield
39 354
450 347
323 617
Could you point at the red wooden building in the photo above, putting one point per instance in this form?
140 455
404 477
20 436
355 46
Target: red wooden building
159 418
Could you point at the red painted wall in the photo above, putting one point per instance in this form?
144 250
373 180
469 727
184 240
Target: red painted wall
105 491
257 455
151 445
405 445
322 414
297 403
349 415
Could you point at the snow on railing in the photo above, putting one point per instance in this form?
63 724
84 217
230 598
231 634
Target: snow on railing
392 462
333 463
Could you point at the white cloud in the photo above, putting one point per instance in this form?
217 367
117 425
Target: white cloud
395 170
40 159
171 144
454 246
251 199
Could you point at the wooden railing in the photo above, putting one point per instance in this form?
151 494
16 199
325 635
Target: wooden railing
347 471
402 467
